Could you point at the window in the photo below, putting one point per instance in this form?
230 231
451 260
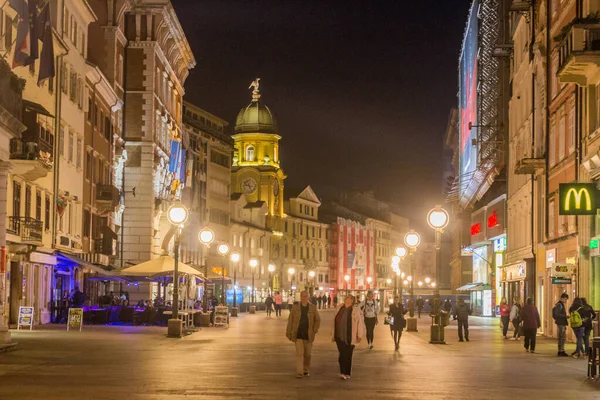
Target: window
16 199
89 162
302 252
301 229
73 86
64 81
294 252
286 226
219 187
86 223
219 217
51 85
47 213
326 278
70 153
38 206
220 159
553 75
320 278
552 144
285 250
83 44
89 110
306 210
320 254
120 70
551 219
313 231
27 201
561 136
314 256
66 25
300 208
312 212
250 153
107 129
572 128
61 142
95 117
293 229
79 153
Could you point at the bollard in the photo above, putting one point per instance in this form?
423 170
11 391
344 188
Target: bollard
252 309
234 311
411 324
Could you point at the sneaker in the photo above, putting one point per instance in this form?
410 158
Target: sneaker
505 337
527 350
576 356
342 376
531 351
513 338
370 347
467 339
347 376
562 354
299 376
306 373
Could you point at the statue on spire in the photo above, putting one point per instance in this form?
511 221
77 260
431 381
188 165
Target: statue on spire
255 89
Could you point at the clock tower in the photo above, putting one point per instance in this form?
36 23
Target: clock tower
256 171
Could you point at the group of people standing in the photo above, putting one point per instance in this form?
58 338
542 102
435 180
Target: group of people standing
276 302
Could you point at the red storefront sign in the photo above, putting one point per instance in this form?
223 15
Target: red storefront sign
493 220
475 229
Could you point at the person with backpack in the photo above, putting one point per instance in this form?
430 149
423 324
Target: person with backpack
531 323
515 318
369 309
504 316
576 322
588 315
559 314
461 313
269 305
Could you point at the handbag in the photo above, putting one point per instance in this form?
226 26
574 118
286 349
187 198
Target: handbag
388 321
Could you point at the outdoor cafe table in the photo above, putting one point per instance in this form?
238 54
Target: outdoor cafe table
186 316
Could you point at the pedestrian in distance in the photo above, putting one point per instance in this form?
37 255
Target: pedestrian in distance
319 301
347 332
420 305
588 315
269 305
461 313
290 301
515 318
531 322
324 301
335 301
559 314
313 300
278 303
303 324
448 305
504 316
576 321
370 308
397 321
327 301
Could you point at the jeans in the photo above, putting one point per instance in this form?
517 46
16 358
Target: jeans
586 340
516 323
419 309
463 324
562 337
345 358
579 332
278 310
529 338
269 310
303 353
505 321
370 324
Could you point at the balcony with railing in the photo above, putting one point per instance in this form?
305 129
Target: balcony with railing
27 228
107 196
579 54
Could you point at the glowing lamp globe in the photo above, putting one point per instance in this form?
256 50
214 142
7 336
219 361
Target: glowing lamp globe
206 236
396 260
420 283
432 284
369 279
223 249
402 275
405 282
311 274
412 239
438 218
271 268
427 280
235 257
291 271
388 281
347 278
177 213
401 251
409 278
253 263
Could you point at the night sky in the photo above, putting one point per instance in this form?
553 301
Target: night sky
361 89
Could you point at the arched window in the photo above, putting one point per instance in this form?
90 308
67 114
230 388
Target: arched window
250 153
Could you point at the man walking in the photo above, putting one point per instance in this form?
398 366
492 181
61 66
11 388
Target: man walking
461 313
278 303
303 324
319 301
559 313
419 305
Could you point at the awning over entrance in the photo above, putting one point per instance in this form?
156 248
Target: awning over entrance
70 260
471 287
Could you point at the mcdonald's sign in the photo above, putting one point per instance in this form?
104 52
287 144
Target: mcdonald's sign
577 199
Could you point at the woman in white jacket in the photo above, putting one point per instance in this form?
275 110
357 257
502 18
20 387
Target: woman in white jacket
348 330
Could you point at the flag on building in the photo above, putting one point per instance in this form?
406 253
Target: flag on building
182 165
26 42
174 156
44 30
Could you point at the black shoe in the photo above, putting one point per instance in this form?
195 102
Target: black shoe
467 339
460 340
562 354
306 373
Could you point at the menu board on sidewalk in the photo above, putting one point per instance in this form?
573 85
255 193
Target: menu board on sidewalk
75 319
25 317
221 316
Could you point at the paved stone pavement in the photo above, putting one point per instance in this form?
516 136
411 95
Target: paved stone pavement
253 360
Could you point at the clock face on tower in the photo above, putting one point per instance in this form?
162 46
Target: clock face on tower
249 186
276 188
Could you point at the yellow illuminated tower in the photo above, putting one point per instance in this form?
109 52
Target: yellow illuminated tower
256 171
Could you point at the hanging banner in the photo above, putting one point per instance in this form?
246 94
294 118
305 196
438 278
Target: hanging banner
174 156
25 317
75 319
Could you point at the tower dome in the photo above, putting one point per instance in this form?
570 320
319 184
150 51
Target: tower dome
256 117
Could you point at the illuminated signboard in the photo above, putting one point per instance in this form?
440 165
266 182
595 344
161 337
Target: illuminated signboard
500 244
493 219
475 229
577 199
594 244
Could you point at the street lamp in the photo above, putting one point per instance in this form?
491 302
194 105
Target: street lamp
311 275
235 258
291 272
401 251
271 268
412 241
253 264
427 280
223 250
420 284
438 219
206 237
177 214
388 281
347 279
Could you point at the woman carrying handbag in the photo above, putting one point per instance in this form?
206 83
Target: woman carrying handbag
397 321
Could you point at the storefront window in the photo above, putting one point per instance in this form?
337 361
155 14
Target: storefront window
480 264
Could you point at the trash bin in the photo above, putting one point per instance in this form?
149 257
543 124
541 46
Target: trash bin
445 318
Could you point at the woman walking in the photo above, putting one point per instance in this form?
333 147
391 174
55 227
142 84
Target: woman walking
515 317
504 316
576 322
370 309
531 323
397 321
348 331
587 315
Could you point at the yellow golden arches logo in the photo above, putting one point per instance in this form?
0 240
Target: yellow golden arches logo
578 195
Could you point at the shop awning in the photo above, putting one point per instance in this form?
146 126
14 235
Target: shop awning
470 287
70 260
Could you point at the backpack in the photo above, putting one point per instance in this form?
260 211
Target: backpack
576 320
556 311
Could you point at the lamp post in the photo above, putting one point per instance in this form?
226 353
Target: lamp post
253 265
438 219
347 279
291 272
223 250
235 258
177 215
311 275
271 269
412 241
206 237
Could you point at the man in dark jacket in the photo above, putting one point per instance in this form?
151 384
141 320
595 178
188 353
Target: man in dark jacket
461 313
78 298
420 304
559 313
